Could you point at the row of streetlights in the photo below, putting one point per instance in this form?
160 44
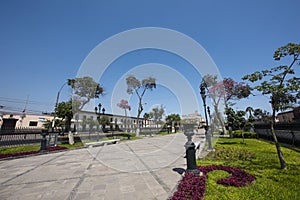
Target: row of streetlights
203 88
98 111
189 132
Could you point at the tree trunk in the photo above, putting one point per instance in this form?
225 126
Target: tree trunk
230 132
279 152
220 119
68 129
137 132
140 109
71 137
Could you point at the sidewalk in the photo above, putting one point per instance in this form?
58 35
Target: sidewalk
139 169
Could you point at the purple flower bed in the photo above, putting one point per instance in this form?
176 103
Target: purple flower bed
57 148
192 186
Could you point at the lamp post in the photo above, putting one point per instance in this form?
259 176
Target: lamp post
56 104
203 87
98 112
211 125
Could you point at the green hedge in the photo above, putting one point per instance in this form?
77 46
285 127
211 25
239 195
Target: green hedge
239 134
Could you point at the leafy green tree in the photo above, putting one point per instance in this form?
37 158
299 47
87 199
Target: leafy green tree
280 84
262 115
146 117
241 121
85 89
230 115
104 121
237 120
175 119
250 110
250 119
139 88
157 113
58 124
64 111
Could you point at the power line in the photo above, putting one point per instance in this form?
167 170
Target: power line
23 101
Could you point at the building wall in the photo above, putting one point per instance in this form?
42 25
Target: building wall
289 116
193 118
37 121
28 120
122 122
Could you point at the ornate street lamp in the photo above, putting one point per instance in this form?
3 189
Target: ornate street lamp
56 105
211 125
98 111
203 87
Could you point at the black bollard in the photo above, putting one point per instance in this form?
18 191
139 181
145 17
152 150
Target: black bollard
191 158
190 149
43 142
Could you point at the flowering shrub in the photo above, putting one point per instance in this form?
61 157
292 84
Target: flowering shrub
57 148
192 186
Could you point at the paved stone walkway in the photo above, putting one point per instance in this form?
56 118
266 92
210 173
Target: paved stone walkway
139 169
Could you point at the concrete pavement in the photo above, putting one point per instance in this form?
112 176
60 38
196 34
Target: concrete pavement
139 169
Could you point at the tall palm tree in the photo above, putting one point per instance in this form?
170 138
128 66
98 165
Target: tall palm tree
249 109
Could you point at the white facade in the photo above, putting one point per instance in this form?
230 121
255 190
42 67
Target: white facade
193 118
88 120
82 121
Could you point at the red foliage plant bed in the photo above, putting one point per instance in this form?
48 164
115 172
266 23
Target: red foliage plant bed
57 148
192 186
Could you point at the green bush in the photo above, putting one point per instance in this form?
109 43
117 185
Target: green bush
230 153
239 134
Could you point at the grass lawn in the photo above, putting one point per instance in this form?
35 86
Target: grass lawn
9 150
164 133
30 148
74 146
260 159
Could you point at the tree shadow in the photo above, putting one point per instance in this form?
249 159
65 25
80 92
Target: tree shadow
229 143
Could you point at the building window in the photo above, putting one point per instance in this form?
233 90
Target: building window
33 123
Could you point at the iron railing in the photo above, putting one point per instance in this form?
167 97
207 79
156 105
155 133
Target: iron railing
19 137
285 133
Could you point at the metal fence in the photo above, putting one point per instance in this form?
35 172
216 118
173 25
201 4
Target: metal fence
20 137
33 136
285 133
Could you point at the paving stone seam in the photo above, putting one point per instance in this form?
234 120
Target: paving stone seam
63 179
73 192
166 149
35 182
80 181
149 186
29 170
164 186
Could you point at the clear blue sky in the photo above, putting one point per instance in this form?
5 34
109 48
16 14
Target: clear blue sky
43 43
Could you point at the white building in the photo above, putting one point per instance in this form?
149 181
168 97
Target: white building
24 120
83 121
193 118
86 120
